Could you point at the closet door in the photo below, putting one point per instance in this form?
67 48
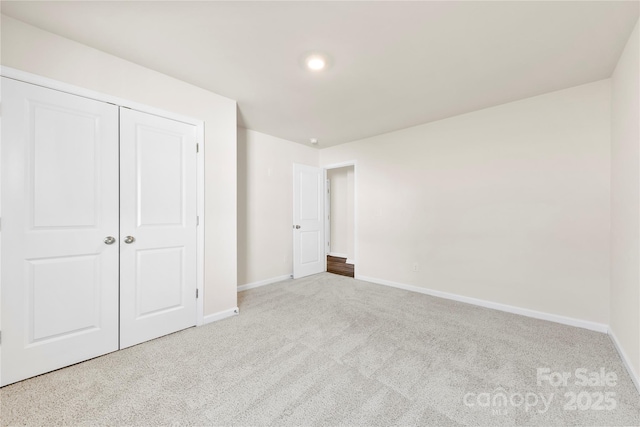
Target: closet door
158 226
59 229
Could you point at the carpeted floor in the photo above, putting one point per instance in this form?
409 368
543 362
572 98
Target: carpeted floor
330 350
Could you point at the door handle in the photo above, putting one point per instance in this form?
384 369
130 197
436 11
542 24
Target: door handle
109 240
297 227
129 239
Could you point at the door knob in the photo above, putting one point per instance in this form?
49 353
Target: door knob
297 227
129 239
109 240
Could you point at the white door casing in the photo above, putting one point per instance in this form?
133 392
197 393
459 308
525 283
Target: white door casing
60 202
308 221
158 210
327 215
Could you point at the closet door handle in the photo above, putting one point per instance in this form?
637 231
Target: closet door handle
129 239
109 240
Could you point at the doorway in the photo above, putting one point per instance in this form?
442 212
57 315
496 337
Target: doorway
340 219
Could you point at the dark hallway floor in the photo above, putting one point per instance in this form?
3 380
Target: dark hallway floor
339 266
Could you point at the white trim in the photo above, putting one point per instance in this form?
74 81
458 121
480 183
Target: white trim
327 214
35 79
355 217
338 255
340 165
209 318
264 282
46 82
350 261
585 324
201 224
625 360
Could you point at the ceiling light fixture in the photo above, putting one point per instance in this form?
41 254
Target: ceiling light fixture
316 61
314 140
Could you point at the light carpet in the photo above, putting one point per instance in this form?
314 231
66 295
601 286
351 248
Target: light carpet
330 350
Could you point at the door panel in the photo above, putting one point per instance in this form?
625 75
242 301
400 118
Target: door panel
308 247
63 174
160 282
62 296
60 201
308 214
161 179
158 198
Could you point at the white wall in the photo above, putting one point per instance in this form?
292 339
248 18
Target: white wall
341 219
509 204
30 49
625 202
265 204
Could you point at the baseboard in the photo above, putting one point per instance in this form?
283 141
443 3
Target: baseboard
338 255
585 324
349 261
220 315
264 282
627 363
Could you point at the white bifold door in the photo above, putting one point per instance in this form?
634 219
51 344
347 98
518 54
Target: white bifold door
157 226
59 205
98 229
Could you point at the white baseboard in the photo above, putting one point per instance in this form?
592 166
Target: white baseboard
627 363
593 326
350 261
264 282
220 315
337 254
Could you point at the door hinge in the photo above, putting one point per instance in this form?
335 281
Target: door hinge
197 293
197 220
197 148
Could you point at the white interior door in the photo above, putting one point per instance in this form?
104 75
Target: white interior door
308 221
59 206
157 226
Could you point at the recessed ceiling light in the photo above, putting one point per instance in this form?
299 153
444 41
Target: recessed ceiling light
316 62
314 140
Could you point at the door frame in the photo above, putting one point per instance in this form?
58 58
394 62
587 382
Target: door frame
46 82
327 216
325 168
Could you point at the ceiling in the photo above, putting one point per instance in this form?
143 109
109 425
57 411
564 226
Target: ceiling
393 64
